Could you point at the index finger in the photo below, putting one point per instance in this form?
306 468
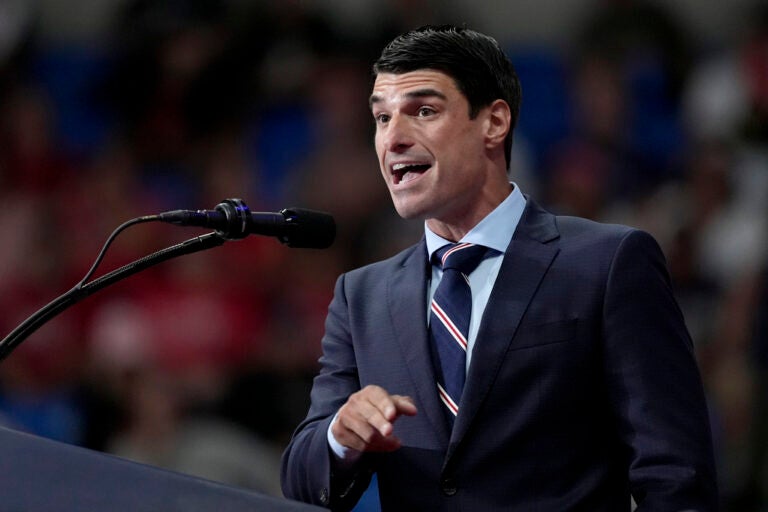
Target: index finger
404 405
382 401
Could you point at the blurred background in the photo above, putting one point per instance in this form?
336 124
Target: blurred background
649 113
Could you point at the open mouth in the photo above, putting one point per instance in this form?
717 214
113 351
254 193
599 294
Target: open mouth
403 173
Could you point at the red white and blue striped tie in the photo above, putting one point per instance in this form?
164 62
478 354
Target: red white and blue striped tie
451 309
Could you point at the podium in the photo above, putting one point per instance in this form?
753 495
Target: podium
41 475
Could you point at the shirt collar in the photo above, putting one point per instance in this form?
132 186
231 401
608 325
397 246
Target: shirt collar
494 231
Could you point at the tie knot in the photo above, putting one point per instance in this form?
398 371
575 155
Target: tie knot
464 257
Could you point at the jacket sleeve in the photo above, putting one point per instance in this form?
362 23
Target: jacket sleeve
308 471
654 383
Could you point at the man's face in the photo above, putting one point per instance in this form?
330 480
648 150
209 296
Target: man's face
430 151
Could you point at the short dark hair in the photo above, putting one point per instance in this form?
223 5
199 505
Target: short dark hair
475 61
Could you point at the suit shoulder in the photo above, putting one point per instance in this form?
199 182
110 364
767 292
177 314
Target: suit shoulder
541 225
569 226
574 228
584 236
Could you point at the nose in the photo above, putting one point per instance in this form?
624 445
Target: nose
397 136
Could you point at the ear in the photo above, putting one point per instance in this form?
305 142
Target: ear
497 124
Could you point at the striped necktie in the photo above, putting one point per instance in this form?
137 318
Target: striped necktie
451 309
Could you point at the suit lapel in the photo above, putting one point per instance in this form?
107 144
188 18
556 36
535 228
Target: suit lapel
525 263
406 295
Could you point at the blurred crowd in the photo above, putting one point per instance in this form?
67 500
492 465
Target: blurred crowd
203 364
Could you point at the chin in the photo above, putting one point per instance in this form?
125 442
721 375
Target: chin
412 206
409 212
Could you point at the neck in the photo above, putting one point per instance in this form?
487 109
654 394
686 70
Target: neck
453 227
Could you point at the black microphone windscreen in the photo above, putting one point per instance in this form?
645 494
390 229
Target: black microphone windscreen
311 229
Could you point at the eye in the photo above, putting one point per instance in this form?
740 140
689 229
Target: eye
381 118
425 112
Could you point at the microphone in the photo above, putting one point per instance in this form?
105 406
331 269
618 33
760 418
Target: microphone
232 219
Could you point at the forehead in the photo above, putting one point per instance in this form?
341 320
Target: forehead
396 87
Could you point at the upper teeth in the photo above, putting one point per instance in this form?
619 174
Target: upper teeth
400 167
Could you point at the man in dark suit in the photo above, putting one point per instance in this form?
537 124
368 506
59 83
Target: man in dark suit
580 390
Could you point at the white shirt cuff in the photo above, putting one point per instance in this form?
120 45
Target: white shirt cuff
344 455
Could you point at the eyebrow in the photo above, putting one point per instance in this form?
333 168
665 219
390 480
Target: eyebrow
418 93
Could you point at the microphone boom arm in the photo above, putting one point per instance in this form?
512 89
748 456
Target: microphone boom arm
76 294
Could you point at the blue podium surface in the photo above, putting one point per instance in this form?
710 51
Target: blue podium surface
41 475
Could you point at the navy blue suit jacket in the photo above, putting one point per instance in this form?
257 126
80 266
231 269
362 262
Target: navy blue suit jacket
583 387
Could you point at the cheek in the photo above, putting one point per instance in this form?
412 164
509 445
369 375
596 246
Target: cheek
453 140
